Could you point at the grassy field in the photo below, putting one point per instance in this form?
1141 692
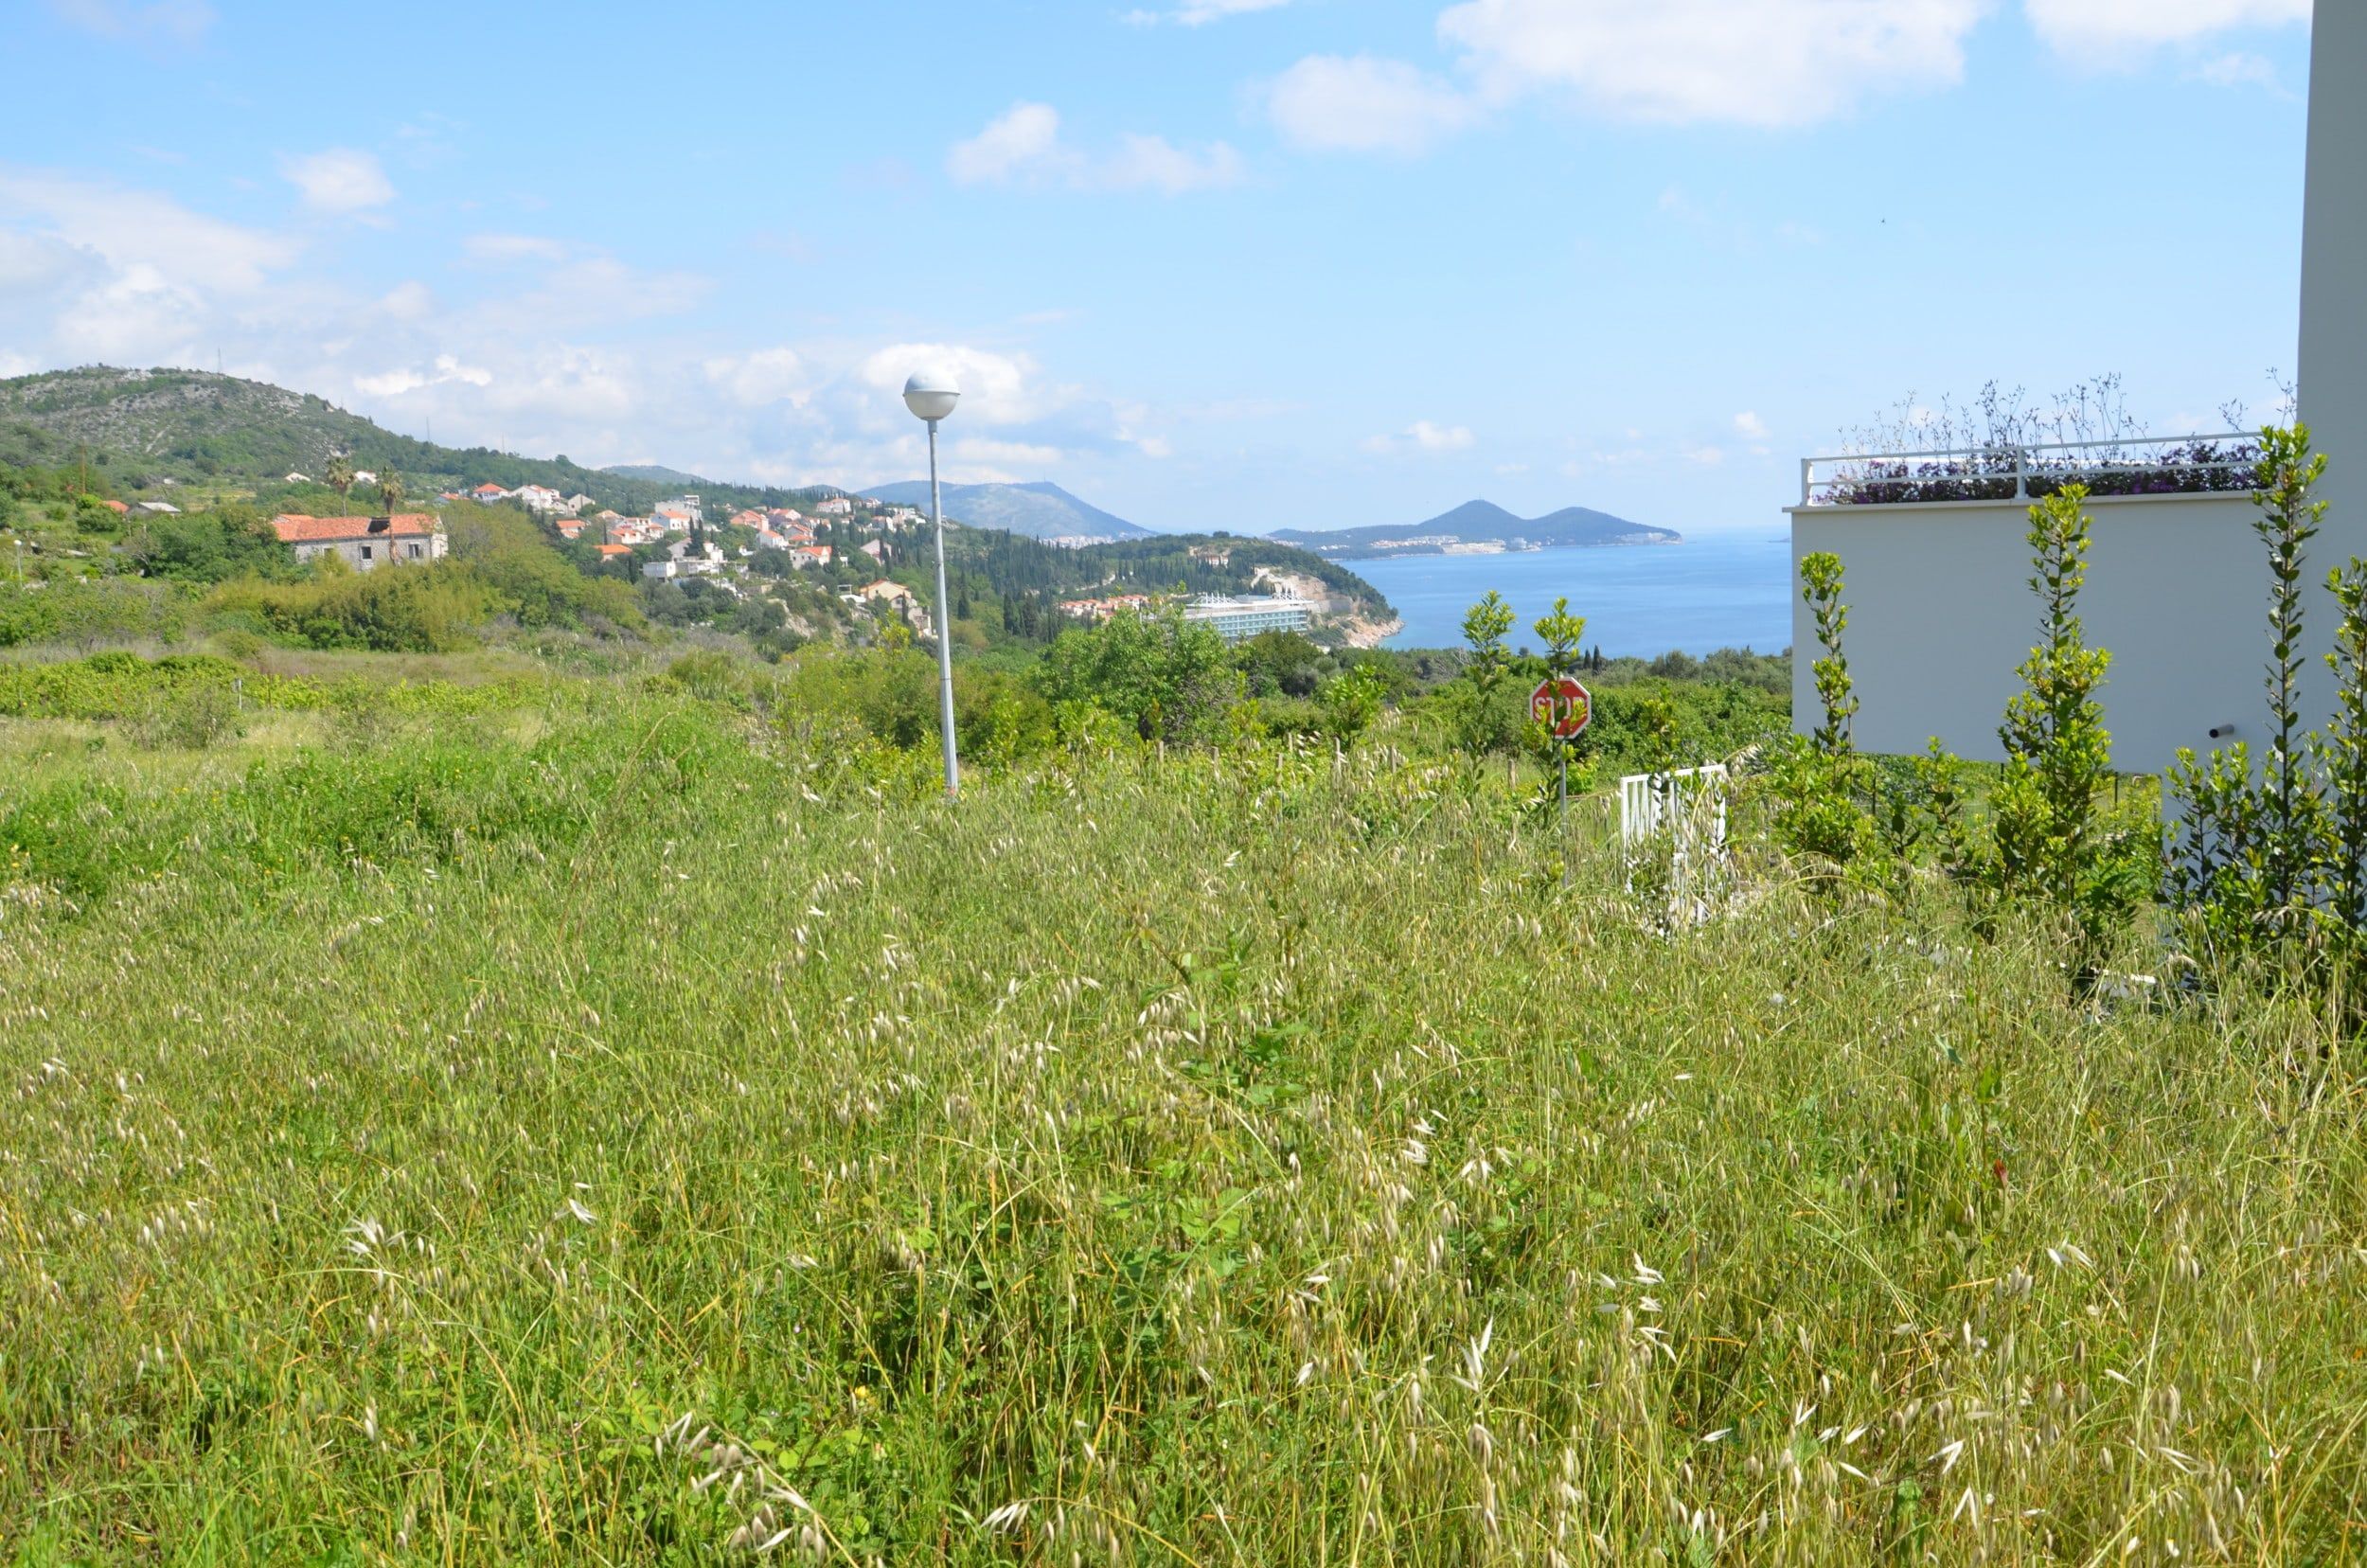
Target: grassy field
618 1129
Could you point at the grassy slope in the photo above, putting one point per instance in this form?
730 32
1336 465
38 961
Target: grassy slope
411 1125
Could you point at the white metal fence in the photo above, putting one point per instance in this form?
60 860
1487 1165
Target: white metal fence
1672 826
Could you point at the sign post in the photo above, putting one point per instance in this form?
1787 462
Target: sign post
1565 708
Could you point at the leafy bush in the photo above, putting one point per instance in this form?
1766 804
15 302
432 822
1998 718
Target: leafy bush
1171 679
193 717
89 612
1817 783
431 608
1351 703
2268 851
123 685
212 548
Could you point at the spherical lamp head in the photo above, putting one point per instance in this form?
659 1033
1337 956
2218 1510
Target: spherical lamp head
931 396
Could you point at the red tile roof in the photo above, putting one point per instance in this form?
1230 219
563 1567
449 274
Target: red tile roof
613 550
296 529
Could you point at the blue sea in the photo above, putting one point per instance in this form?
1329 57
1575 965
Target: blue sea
1724 591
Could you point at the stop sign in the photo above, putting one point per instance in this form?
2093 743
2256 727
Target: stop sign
1562 706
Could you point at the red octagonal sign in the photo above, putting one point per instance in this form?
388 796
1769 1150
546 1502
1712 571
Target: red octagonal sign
1562 706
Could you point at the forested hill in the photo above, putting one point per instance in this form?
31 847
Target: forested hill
1477 524
1017 566
151 432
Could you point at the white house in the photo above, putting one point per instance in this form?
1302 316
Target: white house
837 505
683 561
540 498
1933 550
366 543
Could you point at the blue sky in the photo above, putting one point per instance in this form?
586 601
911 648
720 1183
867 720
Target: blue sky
1246 264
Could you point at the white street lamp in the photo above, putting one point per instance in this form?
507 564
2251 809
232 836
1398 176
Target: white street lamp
932 397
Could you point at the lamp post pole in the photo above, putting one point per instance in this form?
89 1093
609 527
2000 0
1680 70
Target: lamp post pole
931 397
945 629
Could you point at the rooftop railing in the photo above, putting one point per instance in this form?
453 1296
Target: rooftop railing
2176 465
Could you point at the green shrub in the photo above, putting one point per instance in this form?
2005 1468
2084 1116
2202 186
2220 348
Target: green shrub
192 717
1172 679
430 608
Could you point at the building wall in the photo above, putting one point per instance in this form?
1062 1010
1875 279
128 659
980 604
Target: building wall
430 548
1241 625
1940 609
2334 273
1941 615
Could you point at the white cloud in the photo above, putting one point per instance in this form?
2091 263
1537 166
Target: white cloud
1023 140
340 180
1151 163
29 263
514 247
766 376
1024 147
1750 427
135 228
174 21
2241 70
1330 103
600 289
996 388
1768 63
446 371
1422 436
1198 13
2109 27
973 449
557 357
410 300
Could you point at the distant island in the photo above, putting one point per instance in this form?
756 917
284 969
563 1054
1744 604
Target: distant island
1477 528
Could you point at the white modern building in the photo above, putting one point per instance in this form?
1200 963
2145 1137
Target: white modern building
1240 619
1936 560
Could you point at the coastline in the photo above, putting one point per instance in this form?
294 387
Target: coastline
1492 547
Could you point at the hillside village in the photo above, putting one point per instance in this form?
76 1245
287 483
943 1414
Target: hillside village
676 542
204 479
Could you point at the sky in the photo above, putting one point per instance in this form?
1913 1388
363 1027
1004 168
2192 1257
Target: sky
1206 263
